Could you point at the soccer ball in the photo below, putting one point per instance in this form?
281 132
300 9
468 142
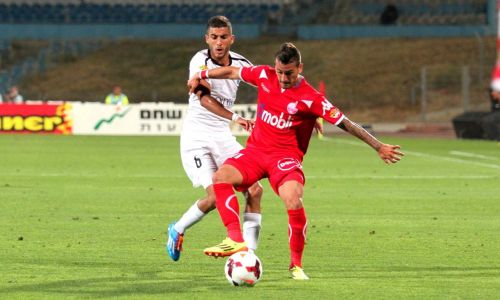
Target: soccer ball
243 269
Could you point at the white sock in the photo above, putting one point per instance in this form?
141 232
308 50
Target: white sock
189 218
251 229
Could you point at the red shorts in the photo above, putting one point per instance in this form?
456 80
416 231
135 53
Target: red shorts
255 165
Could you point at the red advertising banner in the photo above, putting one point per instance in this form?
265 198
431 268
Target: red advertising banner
495 74
35 118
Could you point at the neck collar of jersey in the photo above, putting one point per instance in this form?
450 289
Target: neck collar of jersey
215 62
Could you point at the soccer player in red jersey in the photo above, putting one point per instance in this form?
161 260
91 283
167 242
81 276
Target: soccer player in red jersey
287 109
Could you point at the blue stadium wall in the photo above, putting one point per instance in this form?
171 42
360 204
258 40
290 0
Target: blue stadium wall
337 32
245 31
98 31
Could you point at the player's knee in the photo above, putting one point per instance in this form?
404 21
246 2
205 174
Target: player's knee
292 200
220 177
223 175
293 203
255 192
291 194
217 178
253 196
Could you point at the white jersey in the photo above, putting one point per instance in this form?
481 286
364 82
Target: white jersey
200 119
206 139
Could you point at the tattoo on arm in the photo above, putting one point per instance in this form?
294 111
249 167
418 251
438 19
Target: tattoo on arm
359 132
342 126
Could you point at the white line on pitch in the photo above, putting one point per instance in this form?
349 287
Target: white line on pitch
401 177
472 155
90 175
456 160
377 177
421 154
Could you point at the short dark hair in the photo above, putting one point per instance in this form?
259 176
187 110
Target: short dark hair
219 22
288 53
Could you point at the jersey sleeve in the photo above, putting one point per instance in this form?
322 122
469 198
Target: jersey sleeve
251 75
239 60
197 64
495 79
321 107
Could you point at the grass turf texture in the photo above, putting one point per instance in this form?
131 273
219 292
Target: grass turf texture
86 217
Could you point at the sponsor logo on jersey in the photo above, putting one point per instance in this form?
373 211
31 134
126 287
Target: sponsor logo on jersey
334 113
275 121
203 67
287 164
326 106
292 108
226 102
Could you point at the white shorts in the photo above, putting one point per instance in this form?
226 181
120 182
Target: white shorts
203 155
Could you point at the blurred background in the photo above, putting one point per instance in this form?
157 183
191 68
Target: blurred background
379 60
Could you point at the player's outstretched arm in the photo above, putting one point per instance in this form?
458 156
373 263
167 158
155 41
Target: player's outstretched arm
217 73
388 153
211 104
214 106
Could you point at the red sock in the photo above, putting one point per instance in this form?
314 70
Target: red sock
297 224
229 210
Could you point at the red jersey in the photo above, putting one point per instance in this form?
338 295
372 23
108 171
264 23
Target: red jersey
285 117
495 73
495 78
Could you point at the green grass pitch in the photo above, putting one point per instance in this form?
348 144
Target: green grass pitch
85 217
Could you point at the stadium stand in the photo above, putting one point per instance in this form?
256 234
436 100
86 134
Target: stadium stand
411 12
336 12
46 57
143 11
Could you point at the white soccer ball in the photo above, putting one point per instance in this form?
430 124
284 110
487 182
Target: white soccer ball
243 269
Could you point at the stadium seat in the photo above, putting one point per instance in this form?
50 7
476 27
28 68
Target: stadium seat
410 11
143 11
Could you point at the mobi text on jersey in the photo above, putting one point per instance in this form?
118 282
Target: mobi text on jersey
278 122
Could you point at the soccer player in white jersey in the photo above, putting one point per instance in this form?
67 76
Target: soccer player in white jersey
206 138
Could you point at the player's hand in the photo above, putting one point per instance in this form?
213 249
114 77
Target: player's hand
318 126
193 82
390 153
245 123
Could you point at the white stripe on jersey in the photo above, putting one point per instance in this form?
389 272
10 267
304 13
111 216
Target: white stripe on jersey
200 119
